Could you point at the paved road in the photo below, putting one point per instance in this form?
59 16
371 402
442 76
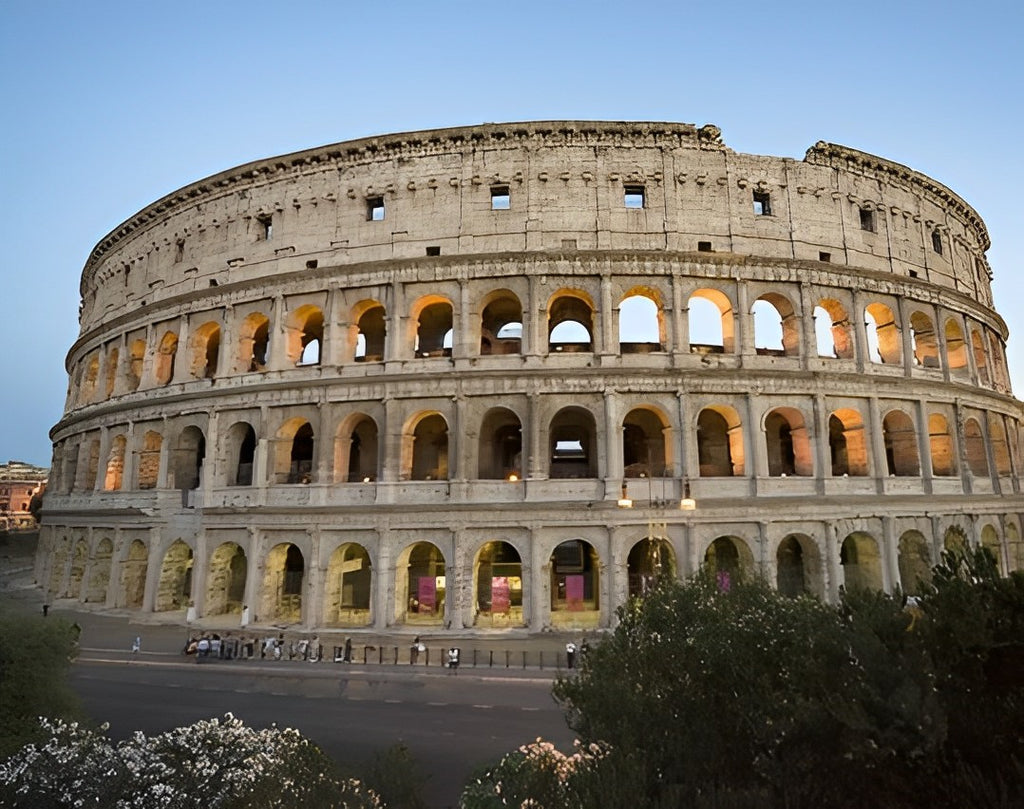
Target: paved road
451 723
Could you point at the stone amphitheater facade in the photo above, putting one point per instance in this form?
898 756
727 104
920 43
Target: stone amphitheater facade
507 376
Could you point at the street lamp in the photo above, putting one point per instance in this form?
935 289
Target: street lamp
687 503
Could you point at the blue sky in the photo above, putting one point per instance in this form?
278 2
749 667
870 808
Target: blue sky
110 105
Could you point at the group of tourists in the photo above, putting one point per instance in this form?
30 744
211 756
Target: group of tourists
248 647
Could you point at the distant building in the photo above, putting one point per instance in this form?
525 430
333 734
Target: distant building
19 483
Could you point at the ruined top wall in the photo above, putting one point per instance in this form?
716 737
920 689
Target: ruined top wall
566 183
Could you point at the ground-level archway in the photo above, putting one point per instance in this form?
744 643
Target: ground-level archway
175 588
798 569
349 587
729 560
99 572
914 562
282 584
225 582
420 593
575 585
861 562
498 586
650 561
133 575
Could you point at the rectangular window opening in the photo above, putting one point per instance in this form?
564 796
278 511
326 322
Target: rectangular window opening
634 196
826 257
434 250
762 203
704 247
501 200
867 220
375 209
266 228
913 273
937 242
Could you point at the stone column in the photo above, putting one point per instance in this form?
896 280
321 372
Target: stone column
890 555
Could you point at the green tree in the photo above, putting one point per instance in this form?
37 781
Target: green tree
35 659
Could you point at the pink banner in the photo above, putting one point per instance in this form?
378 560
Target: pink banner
574 592
427 592
501 598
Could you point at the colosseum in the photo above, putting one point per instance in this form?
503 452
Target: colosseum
504 377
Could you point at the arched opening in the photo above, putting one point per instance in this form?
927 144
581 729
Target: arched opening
832 330
356 450
79 561
955 539
575 584
720 442
136 358
498 585
241 454
729 560
900 445
420 593
776 330
111 367
92 464
914 562
205 351
711 321
295 448
956 346
434 321
980 358
1015 547
133 575
225 582
149 459
570 323
174 591
573 444
254 342
922 334
847 447
99 572
282 585
501 324
650 561
349 586
789 448
500 455
305 335
1000 446
429 456
641 328
188 458
861 562
114 477
163 364
58 567
790 575
883 335
941 446
371 332
990 542
974 448
644 440
996 352
90 378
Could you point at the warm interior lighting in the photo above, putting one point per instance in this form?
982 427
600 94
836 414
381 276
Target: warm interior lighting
624 501
512 477
687 503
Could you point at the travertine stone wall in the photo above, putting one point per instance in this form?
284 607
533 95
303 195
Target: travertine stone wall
467 378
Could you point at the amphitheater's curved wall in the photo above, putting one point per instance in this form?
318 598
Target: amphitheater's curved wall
466 378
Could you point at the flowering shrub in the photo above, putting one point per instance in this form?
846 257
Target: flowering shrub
214 763
535 776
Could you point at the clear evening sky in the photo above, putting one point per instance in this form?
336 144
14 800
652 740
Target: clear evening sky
107 106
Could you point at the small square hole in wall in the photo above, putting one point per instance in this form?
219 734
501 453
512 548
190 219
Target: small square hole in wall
826 257
762 203
913 273
867 220
704 247
434 250
266 224
500 198
311 264
634 196
375 209
568 244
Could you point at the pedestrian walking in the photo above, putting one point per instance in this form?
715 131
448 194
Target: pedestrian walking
414 651
347 655
453 659
136 647
570 654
